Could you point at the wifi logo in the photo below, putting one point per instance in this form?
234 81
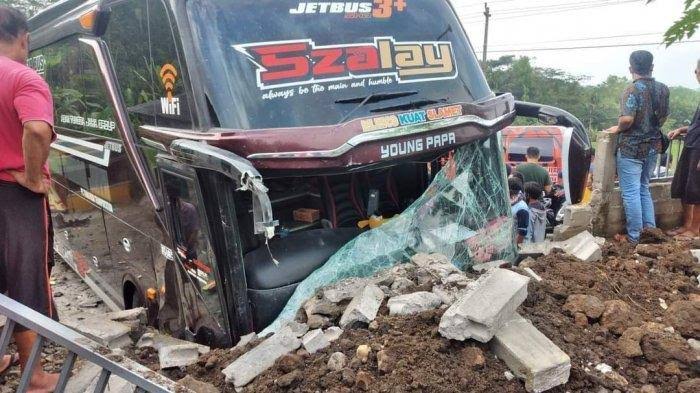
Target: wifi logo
168 75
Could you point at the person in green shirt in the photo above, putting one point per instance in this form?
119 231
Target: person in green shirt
532 171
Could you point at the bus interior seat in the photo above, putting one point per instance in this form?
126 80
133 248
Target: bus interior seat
270 286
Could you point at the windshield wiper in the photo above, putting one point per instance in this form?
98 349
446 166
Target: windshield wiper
376 97
409 105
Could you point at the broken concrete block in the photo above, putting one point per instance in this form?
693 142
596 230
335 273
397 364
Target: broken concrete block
315 341
578 215
485 306
108 333
482 267
532 274
134 314
363 308
316 306
337 361
584 247
536 249
180 355
531 356
253 363
85 380
245 340
333 333
344 290
157 341
413 303
297 328
402 285
437 264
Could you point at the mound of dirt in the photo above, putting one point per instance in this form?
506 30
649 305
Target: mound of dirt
626 327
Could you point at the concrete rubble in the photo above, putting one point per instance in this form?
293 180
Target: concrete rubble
315 340
172 352
108 333
251 364
413 303
485 307
530 355
583 246
363 307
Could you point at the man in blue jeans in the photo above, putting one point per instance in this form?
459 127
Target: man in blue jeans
643 110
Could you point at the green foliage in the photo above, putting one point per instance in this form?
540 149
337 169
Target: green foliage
30 7
597 106
686 26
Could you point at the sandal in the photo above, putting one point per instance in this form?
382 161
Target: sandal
14 360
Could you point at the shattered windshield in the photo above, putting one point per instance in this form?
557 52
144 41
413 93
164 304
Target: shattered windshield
286 63
464 214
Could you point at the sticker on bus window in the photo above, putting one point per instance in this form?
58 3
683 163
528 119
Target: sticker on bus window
292 65
169 105
381 9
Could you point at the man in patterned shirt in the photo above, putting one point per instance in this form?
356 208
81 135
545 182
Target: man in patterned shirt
643 110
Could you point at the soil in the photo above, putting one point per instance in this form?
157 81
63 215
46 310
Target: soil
414 357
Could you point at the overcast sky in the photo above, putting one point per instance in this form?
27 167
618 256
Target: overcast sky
537 24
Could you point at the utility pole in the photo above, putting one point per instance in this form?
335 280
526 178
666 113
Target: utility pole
487 14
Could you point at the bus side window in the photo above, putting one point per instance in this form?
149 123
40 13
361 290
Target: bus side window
169 69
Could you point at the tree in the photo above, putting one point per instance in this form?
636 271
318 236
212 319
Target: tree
30 7
686 26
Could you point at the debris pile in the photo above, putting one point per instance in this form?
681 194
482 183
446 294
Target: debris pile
560 322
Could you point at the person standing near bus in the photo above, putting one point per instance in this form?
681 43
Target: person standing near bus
686 180
533 171
643 111
26 132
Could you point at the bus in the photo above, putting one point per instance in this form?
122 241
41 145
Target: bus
198 138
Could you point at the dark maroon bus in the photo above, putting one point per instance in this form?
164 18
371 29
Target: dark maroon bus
199 137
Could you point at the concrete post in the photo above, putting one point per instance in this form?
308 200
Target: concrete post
603 180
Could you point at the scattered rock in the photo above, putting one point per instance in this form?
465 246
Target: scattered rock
583 246
363 380
333 333
245 340
473 357
317 321
290 362
288 380
671 368
648 389
321 307
344 290
581 319
664 346
337 361
413 303
363 308
436 264
363 352
299 329
589 305
315 341
385 362
402 285
629 342
684 316
197 386
617 316
689 386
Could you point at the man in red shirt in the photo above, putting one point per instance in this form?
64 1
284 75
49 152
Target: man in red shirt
26 132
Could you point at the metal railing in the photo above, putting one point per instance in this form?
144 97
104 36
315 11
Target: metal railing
667 162
77 345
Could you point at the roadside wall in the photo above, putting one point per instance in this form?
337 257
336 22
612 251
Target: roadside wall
606 201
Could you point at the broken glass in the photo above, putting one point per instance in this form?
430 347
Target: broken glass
464 214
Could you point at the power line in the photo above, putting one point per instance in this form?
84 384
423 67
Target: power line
584 47
553 7
578 39
537 12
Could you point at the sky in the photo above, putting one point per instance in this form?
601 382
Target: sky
536 24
